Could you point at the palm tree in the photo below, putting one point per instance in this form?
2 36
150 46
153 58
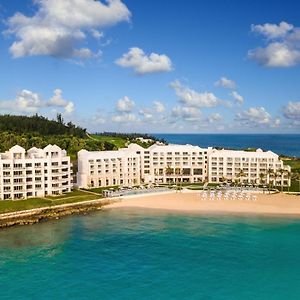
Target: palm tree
270 174
296 176
261 177
281 172
177 173
169 171
289 176
240 175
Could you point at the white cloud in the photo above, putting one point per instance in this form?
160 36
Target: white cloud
237 97
146 114
226 83
255 117
193 98
125 104
59 101
189 114
214 117
282 48
124 118
58 26
276 55
158 106
292 111
30 102
142 64
97 34
272 31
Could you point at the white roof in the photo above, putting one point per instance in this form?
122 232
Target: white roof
240 153
175 147
17 149
107 154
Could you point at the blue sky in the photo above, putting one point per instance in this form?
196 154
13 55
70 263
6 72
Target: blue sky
154 66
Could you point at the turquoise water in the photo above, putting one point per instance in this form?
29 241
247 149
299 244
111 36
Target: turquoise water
139 254
287 144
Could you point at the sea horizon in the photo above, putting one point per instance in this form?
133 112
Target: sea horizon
288 144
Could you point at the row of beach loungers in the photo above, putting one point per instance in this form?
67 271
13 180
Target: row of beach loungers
228 195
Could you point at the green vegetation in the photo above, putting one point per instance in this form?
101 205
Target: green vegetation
117 142
38 131
294 163
121 140
72 197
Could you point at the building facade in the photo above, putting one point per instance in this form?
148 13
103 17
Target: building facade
108 168
179 163
254 167
35 173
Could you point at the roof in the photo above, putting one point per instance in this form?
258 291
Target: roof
176 147
241 153
17 148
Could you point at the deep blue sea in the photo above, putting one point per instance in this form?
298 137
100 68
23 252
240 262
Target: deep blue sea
145 254
287 144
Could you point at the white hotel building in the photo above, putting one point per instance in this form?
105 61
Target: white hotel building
37 173
175 163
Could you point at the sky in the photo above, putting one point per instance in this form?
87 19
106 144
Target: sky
156 66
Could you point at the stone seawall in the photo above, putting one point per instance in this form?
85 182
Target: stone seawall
32 216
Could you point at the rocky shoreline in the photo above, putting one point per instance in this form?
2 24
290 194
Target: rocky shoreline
32 216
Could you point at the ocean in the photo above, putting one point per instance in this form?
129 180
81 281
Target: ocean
286 144
144 254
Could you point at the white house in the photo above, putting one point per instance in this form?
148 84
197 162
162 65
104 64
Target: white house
37 173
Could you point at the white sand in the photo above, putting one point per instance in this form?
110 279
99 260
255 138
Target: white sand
191 202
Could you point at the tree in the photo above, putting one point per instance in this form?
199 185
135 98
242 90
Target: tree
241 174
178 173
288 175
270 173
59 118
262 177
296 176
281 172
169 171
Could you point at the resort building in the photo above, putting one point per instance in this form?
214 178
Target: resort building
178 163
108 168
35 173
254 167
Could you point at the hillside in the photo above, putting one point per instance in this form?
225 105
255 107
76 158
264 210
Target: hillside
38 131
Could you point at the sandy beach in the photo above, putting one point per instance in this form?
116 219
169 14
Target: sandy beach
277 204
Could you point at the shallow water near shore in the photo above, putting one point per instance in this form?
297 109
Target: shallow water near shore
147 254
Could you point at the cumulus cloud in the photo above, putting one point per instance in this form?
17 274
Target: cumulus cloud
292 111
144 64
282 48
146 114
29 102
125 104
214 117
189 114
124 118
158 106
193 98
276 55
58 26
225 83
272 31
257 117
237 97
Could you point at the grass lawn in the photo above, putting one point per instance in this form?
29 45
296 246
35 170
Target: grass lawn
117 141
293 188
293 163
72 197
